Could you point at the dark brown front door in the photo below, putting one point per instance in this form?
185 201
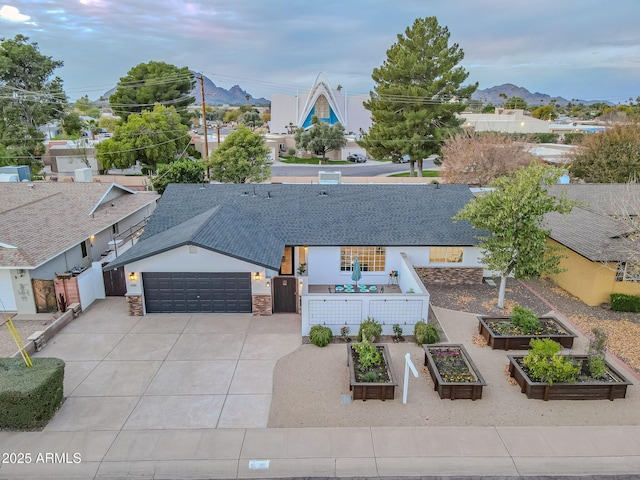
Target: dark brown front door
284 295
115 285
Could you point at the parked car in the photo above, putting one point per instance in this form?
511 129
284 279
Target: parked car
404 159
357 157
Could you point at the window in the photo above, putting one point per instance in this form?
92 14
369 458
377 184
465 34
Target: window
83 247
445 254
628 272
371 259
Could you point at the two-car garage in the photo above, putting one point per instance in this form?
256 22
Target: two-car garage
193 292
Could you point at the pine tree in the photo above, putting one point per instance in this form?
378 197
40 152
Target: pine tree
417 94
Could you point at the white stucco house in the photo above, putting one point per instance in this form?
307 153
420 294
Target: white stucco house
272 248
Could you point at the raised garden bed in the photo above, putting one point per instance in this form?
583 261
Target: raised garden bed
497 332
613 386
384 389
453 372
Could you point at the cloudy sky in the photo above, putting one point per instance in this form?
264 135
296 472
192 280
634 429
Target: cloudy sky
587 49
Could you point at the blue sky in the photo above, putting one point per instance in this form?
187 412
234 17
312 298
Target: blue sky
583 49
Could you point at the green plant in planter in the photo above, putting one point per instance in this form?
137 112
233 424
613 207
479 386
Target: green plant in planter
596 362
369 355
320 335
544 364
425 333
526 319
370 330
302 269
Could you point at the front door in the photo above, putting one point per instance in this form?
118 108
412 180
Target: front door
284 295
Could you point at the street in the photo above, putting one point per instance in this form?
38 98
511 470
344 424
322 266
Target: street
369 169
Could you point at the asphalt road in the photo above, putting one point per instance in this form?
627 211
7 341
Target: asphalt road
368 169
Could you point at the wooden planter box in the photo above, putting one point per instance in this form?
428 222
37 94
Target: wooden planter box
521 342
372 391
454 390
569 391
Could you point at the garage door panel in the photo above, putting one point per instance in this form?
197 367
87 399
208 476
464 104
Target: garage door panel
197 292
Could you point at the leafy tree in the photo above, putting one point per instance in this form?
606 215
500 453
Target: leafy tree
148 138
29 97
94 112
83 105
513 214
479 159
546 112
417 94
516 103
155 82
72 124
250 119
109 123
183 170
241 158
321 137
489 108
266 116
232 115
612 156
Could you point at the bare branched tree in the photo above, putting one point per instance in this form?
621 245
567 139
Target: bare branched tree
478 159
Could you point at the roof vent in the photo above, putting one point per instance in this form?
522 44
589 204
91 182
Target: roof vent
269 195
322 194
245 194
254 191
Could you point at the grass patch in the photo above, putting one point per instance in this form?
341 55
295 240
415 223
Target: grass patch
425 173
312 161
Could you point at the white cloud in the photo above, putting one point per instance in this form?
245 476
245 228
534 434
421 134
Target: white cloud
12 14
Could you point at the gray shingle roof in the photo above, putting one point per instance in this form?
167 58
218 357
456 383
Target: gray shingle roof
44 219
591 229
258 220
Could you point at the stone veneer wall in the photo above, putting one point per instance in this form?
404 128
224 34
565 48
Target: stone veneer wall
261 305
449 275
134 305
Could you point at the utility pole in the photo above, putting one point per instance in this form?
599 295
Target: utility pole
204 120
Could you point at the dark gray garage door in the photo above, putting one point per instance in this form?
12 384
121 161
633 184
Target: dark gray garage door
197 292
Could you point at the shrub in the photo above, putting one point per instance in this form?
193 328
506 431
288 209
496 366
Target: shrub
544 364
29 396
425 333
291 152
573 138
370 330
625 303
525 319
320 335
397 330
544 137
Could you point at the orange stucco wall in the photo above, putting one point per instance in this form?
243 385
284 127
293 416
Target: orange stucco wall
591 282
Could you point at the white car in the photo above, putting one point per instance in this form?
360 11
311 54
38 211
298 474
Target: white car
404 159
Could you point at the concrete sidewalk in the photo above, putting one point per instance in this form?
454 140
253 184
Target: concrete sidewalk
188 396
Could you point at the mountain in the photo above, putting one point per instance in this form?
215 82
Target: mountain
215 95
492 95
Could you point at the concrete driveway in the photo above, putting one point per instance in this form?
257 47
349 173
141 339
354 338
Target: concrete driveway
168 371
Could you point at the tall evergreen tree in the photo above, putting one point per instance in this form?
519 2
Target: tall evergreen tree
418 91
155 82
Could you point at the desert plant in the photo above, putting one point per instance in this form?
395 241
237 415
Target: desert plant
596 362
526 319
397 330
368 355
344 332
320 335
369 377
425 333
370 330
544 364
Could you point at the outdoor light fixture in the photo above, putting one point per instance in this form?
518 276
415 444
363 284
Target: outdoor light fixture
257 276
301 284
133 276
268 283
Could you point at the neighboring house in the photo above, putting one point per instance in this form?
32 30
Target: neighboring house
270 248
63 231
504 120
602 251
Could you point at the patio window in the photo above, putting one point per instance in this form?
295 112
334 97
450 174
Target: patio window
372 259
445 254
628 272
